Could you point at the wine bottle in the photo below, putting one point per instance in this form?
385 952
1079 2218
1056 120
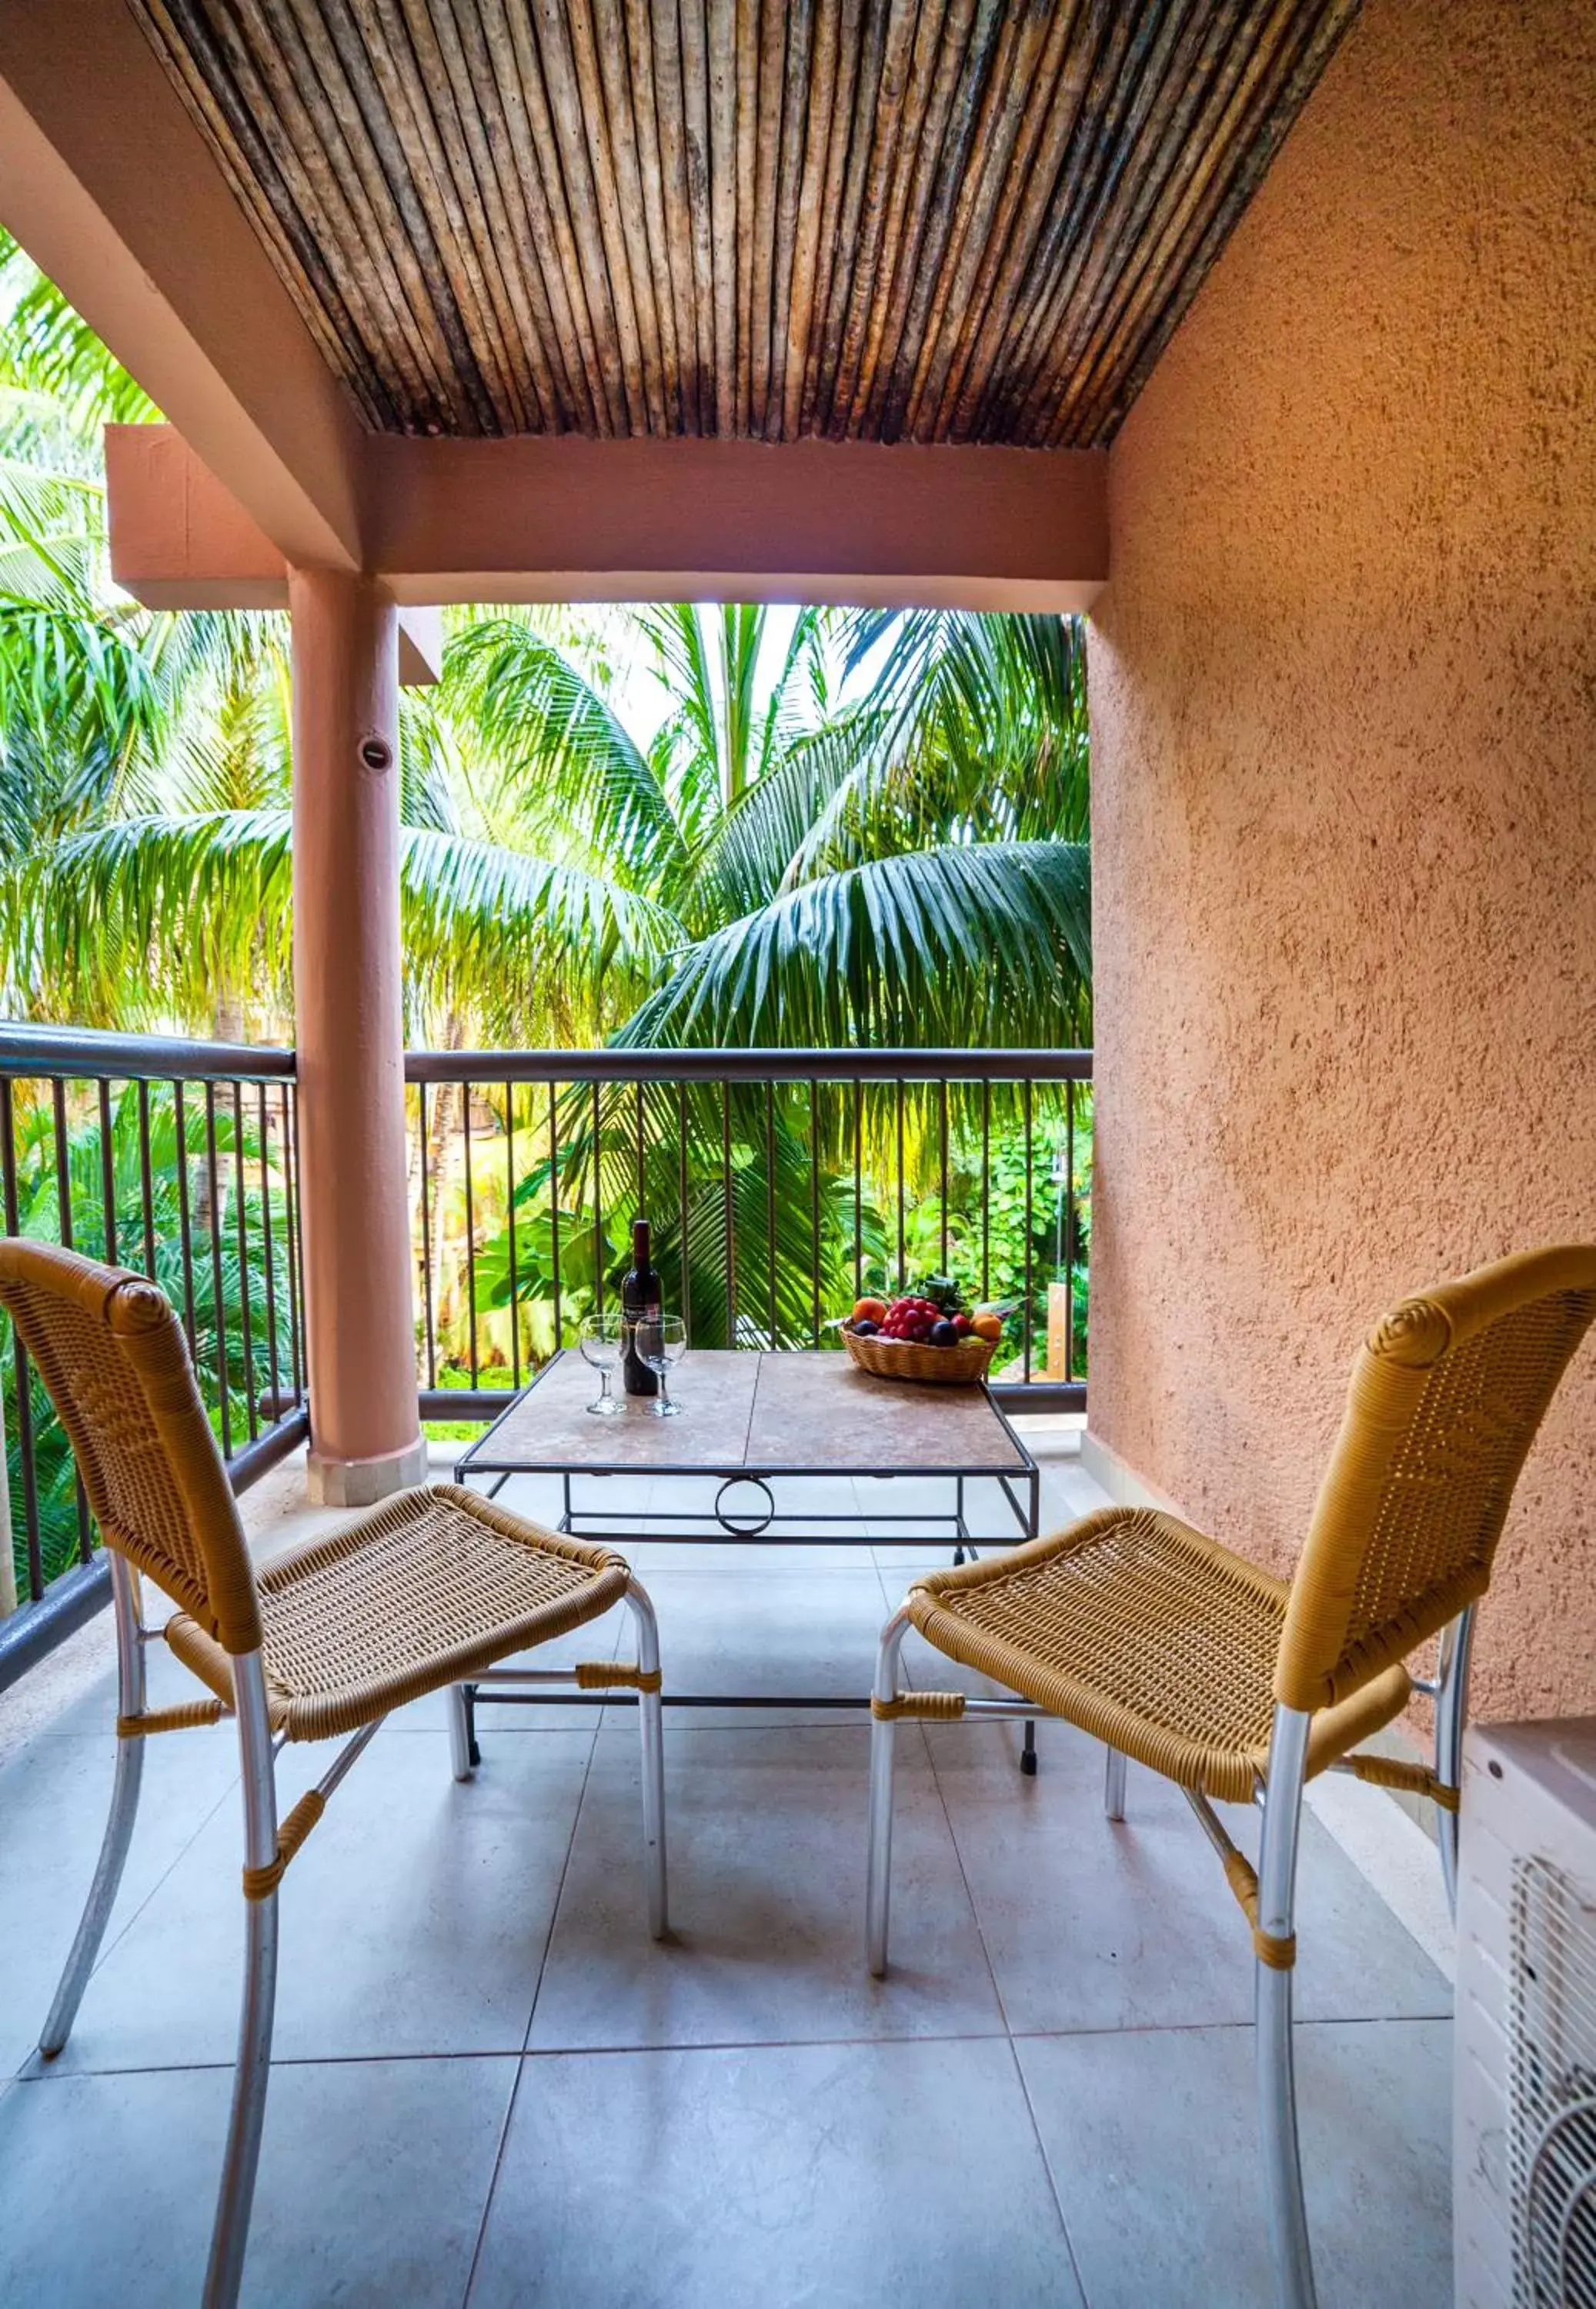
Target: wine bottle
641 1300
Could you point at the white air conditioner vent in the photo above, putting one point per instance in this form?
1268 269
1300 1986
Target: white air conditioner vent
1552 2087
1524 2138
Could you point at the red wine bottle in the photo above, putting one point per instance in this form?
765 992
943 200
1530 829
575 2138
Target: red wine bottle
642 1294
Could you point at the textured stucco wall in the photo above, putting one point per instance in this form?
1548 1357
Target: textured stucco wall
1343 697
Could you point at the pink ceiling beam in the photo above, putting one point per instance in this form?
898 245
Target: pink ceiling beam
568 519
110 187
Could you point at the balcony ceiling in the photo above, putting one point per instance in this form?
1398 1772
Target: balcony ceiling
925 219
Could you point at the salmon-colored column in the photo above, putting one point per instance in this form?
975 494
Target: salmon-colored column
364 1437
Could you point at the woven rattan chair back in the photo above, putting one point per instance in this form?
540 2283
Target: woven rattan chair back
112 1355
1446 1399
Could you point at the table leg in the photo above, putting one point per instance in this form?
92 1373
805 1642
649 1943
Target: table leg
1028 1751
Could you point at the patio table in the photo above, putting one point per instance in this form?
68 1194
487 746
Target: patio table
751 1419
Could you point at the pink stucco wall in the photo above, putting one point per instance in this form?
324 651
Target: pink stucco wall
1343 698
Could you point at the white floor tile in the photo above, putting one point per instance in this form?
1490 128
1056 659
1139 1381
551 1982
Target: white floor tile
767 1853
374 2178
1152 2142
856 2177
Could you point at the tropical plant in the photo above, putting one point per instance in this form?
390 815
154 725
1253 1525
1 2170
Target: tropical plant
202 1222
842 830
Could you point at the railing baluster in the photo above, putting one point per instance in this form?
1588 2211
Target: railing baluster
553 1208
426 1323
64 1225
242 1199
1069 1232
290 1162
8 1178
108 1172
1025 1108
986 1189
217 1304
902 1268
642 1173
681 1092
185 1221
471 1230
769 1191
146 1179
941 1107
859 1189
597 1210
730 1214
509 1218
815 1213
268 1250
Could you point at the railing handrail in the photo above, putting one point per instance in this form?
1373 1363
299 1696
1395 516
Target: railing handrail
28 1050
654 1064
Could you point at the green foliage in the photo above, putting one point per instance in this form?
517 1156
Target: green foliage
246 1170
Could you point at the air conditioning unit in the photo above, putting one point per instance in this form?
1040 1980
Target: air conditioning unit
1524 2090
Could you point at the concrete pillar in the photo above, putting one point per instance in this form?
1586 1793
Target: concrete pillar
365 1440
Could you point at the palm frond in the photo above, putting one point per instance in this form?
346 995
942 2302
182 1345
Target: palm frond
988 942
560 751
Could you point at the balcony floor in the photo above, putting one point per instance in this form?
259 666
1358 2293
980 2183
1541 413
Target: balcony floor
490 2086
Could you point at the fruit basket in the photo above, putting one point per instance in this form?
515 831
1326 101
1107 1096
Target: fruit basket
960 1366
924 1336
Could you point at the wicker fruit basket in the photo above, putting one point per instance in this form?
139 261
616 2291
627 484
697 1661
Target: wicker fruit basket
964 1365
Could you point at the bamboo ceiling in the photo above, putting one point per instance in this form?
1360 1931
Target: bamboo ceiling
925 219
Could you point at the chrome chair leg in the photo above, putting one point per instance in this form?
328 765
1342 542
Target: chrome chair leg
241 2158
1452 1710
878 1865
1277 2084
650 1722
1114 1784
118 1830
459 1733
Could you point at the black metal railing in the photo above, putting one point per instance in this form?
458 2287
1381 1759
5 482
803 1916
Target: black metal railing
178 1159
781 1185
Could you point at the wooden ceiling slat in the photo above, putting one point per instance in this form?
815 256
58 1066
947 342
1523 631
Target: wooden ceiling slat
980 351
543 216
942 169
1245 76
1010 122
248 169
1076 304
938 50
1116 390
838 143
795 126
807 177
934 220
495 221
640 44
288 89
423 155
612 145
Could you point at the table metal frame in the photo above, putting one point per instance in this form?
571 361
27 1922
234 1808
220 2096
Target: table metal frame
1020 1486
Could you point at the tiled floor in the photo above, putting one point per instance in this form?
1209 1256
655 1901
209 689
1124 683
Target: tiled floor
491 2086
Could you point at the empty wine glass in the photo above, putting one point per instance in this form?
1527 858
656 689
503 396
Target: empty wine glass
600 1344
666 1347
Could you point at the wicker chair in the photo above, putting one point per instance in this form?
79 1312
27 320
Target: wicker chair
416 1596
1240 1686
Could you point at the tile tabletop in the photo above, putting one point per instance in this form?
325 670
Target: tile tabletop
791 1411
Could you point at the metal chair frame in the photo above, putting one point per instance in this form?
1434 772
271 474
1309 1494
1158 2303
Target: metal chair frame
269 1843
1314 1662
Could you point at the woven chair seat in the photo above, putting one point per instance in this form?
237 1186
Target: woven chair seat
421 1593
1148 1635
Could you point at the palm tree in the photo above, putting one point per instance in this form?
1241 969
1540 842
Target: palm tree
845 829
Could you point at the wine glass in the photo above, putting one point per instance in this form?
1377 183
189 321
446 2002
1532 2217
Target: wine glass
667 1347
600 1344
